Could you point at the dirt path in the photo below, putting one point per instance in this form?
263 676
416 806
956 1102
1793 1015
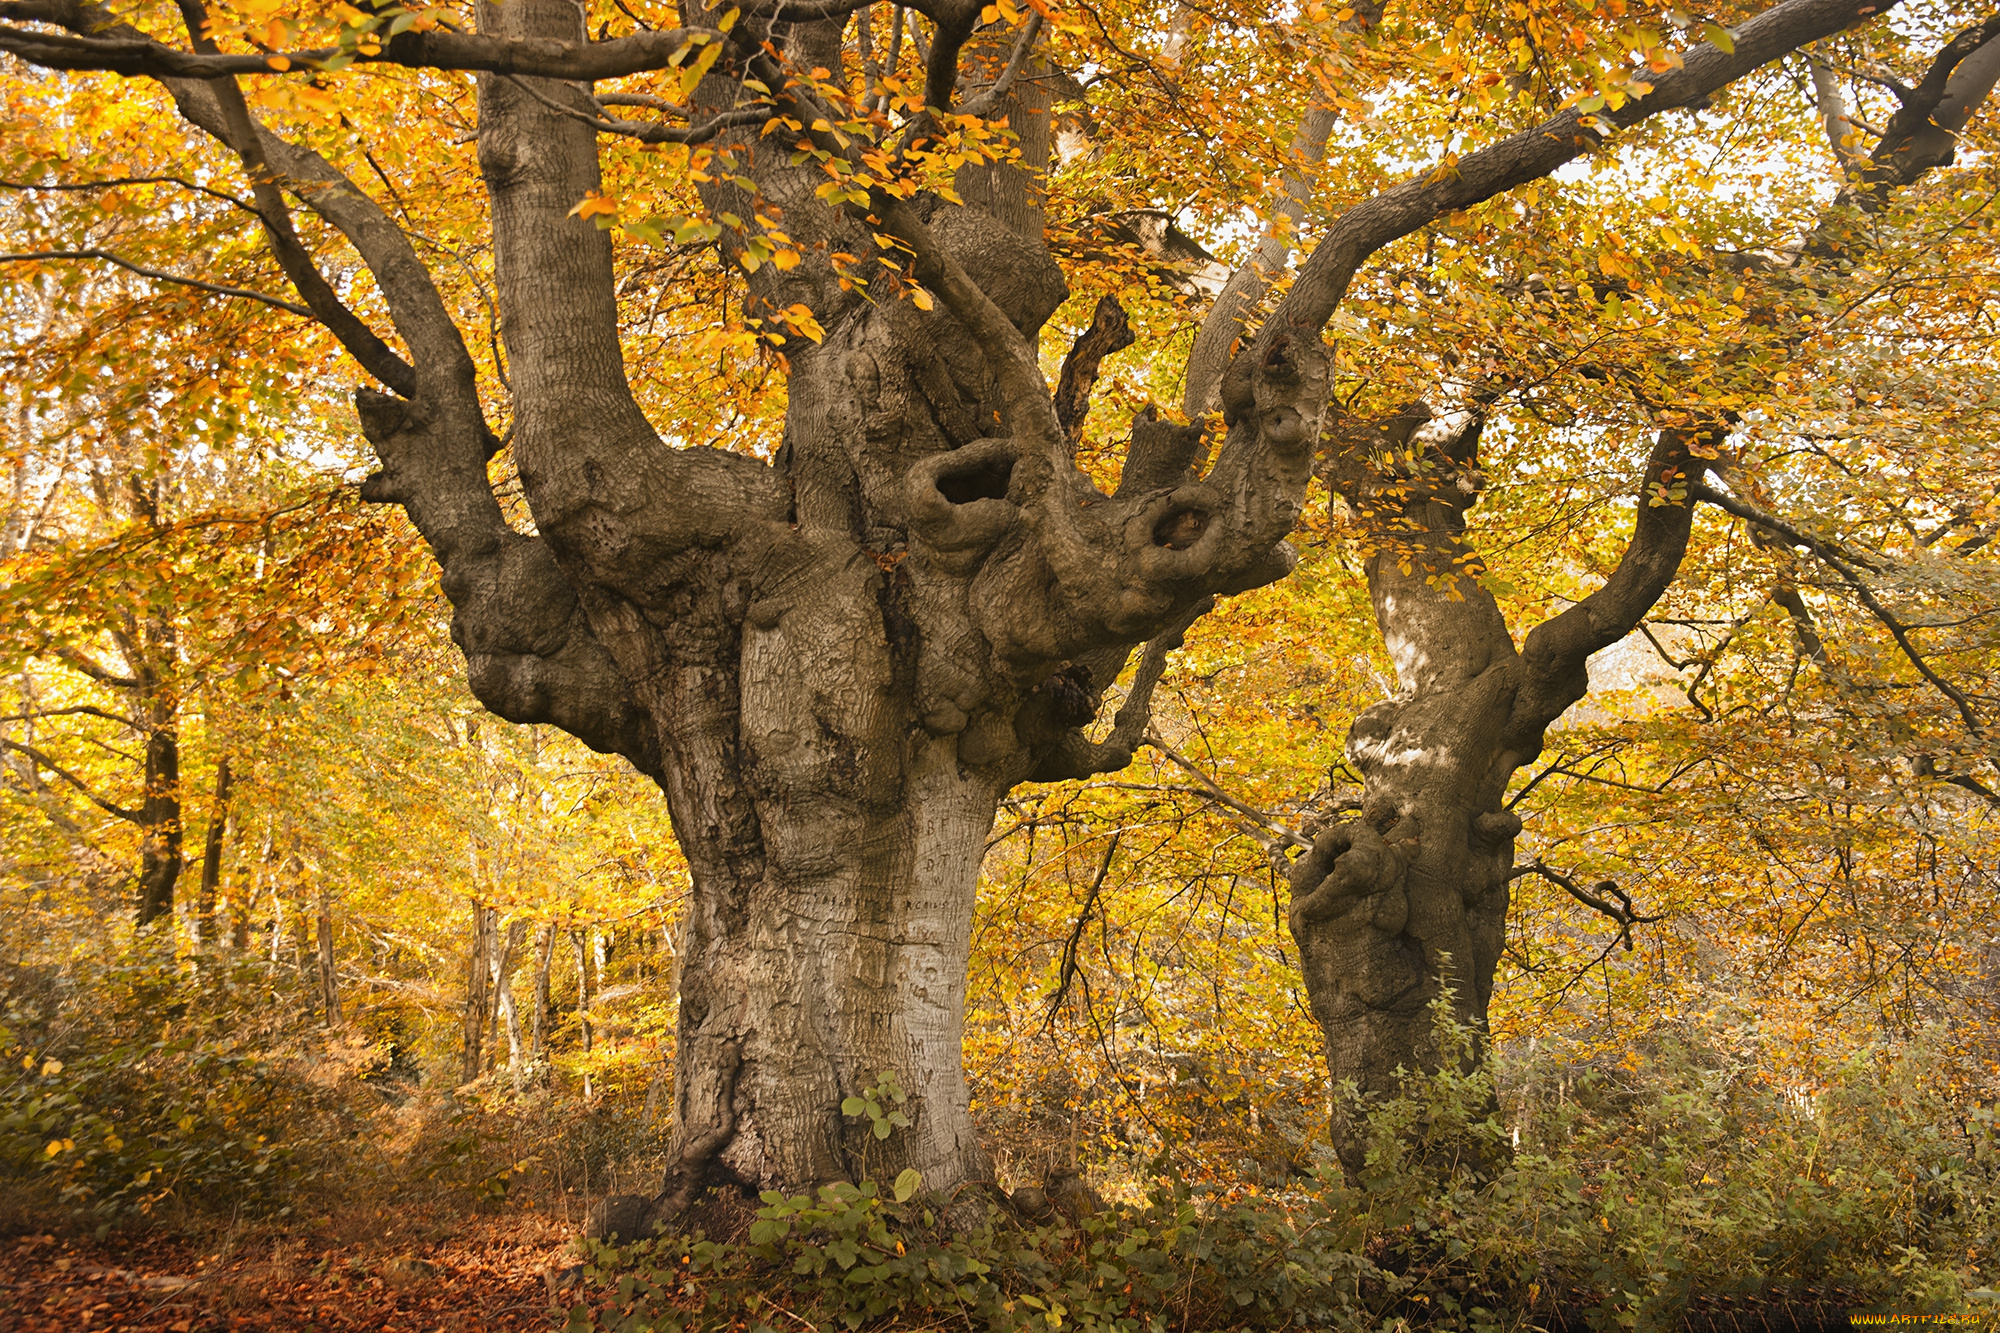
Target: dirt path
488 1275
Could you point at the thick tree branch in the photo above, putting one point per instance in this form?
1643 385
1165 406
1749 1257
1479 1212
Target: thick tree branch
1532 154
530 653
1966 782
120 49
1924 131
1108 333
1833 115
955 20
1073 756
576 420
240 133
90 667
1123 566
531 656
415 306
1215 342
1557 650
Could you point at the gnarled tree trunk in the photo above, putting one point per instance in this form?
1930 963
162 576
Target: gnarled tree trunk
1410 898
839 664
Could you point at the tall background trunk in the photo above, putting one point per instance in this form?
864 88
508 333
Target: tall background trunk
160 832
478 993
212 853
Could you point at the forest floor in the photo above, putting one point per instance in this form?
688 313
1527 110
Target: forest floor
461 1274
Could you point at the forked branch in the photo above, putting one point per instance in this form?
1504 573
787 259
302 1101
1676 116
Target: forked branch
1833 558
1597 898
1557 650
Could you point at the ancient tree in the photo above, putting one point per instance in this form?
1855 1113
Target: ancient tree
1423 873
835 662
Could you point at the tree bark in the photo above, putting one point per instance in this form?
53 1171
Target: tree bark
478 992
847 659
212 852
160 859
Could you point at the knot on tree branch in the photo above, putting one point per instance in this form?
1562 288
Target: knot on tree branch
1496 827
960 504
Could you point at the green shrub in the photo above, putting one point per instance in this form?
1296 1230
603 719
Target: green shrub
1631 1191
120 1093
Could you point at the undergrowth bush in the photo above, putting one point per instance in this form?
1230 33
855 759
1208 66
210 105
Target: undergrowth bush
135 1087
1630 1192
131 1083
500 1145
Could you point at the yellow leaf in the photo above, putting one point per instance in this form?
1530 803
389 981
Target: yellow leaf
801 319
921 297
279 63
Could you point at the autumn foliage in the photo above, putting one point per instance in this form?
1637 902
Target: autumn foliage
294 934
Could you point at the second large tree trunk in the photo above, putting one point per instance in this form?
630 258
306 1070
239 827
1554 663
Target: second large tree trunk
1394 908
1411 899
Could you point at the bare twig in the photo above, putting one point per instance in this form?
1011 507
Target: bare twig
159 275
1069 968
1833 558
1283 833
183 182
